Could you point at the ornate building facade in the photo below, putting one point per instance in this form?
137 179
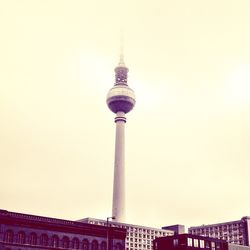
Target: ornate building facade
23 231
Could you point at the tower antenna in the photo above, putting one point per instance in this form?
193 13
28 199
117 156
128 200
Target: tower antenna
121 61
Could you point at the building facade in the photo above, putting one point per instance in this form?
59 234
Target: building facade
138 237
236 232
189 242
23 231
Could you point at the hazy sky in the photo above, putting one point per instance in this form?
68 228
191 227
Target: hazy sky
187 139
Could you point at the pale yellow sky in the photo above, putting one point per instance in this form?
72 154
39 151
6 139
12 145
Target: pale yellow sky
187 140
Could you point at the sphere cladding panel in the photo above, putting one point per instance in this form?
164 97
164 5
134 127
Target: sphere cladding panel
121 98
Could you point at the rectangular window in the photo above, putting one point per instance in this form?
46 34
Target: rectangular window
202 244
196 243
213 245
190 242
175 242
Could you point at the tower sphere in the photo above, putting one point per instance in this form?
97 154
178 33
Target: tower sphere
121 98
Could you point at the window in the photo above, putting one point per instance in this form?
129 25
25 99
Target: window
175 242
75 243
202 244
103 245
33 239
8 236
94 245
44 240
196 243
65 242
85 244
54 241
189 242
21 238
118 246
213 245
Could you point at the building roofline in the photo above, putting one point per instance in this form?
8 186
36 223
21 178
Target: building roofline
126 224
217 224
194 236
43 222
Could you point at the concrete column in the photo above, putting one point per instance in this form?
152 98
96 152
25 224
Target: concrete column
118 210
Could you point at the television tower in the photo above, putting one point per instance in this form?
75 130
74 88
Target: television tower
120 100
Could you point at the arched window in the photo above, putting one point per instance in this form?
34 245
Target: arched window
65 242
75 243
94 245
54 241
104 245
8 236
85 244
21 237
118 246
33 239
44 240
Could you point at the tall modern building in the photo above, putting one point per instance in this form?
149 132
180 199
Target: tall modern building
138 237
236 232
120 100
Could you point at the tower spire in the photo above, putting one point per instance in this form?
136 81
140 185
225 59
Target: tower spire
121 61
121 71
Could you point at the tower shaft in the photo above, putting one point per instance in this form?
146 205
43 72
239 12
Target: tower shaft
118 209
